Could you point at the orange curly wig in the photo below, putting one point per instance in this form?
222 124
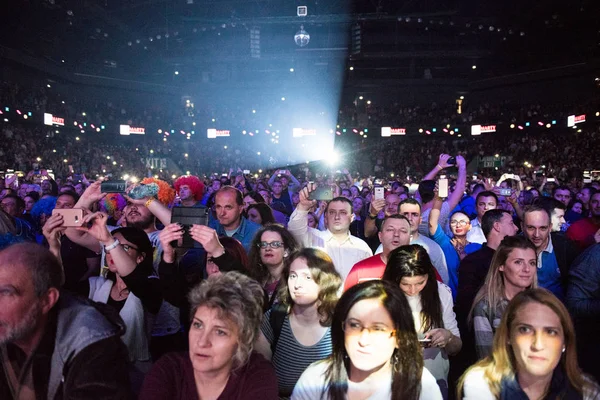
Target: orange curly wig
195 184
166 194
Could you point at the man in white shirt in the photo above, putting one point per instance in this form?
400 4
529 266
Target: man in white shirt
485 201
411 209
344 249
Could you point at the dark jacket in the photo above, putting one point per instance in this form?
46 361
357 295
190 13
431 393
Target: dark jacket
565 253
81 355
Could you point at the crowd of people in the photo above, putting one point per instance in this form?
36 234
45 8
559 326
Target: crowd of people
301 284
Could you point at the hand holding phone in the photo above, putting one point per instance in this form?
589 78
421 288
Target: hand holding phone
379 193
72 217
505 192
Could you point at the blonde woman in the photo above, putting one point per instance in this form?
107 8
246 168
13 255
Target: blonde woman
513 269
533 357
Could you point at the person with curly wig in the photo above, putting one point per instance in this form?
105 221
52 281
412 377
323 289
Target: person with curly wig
221 363
190 190
376 354
297 332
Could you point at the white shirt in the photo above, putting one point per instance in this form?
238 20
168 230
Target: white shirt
438 259
475 234
311 385
475 386
436 359
344 254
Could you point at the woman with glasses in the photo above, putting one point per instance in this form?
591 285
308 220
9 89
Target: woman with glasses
454 248
271 246
130 287
297 332
533 355
376 354
410 268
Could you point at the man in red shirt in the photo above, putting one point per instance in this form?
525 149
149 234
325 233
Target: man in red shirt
395 232
584 231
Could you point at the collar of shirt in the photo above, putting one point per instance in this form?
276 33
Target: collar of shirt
549 250
474 222
328 236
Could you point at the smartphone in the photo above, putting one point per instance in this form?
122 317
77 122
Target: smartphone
73 217
246 171
379 193
451 161
505 192
113 187
186 217
425 342
550 180
443 186
322 193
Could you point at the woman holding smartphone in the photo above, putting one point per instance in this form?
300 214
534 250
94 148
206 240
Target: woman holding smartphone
410 268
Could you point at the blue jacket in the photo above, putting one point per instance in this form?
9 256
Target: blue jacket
244 234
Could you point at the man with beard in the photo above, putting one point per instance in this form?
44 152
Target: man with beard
52 344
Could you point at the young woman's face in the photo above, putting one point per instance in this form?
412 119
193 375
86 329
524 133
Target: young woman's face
519 268
577 208
369 335
413 285
303 288
537 340
254 216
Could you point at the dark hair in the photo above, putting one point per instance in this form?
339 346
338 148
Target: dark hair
257 197
71 193
19 201
140 239
590 188
490 218
409 201
236 250
45 269
486 193
239 196
407 360
413 260
549 204
257 270
394 216
533 208
266 213
561 187
527 197
323 273
34 195
459 212
342 199
426 190
477 186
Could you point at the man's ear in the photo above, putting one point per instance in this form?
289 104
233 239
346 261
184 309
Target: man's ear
50 299
352 216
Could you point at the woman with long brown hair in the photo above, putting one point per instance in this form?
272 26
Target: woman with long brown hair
534 355
376 354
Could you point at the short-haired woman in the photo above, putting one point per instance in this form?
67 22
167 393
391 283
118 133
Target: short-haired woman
513 270
376 354
533 356
410 268
226 313
297 332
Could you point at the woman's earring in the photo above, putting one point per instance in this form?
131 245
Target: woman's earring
285 254
564 348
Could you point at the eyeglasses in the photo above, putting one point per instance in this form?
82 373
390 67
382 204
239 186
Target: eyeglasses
273 245
354 328
459 223
126 247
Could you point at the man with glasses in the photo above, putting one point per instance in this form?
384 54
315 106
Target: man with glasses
344 249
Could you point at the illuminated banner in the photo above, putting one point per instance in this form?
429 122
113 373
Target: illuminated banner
50 119
215 133
154 162
126 130
572 120
479 129
387 131
299 132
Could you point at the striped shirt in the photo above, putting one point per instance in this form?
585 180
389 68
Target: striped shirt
291 358
485 323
